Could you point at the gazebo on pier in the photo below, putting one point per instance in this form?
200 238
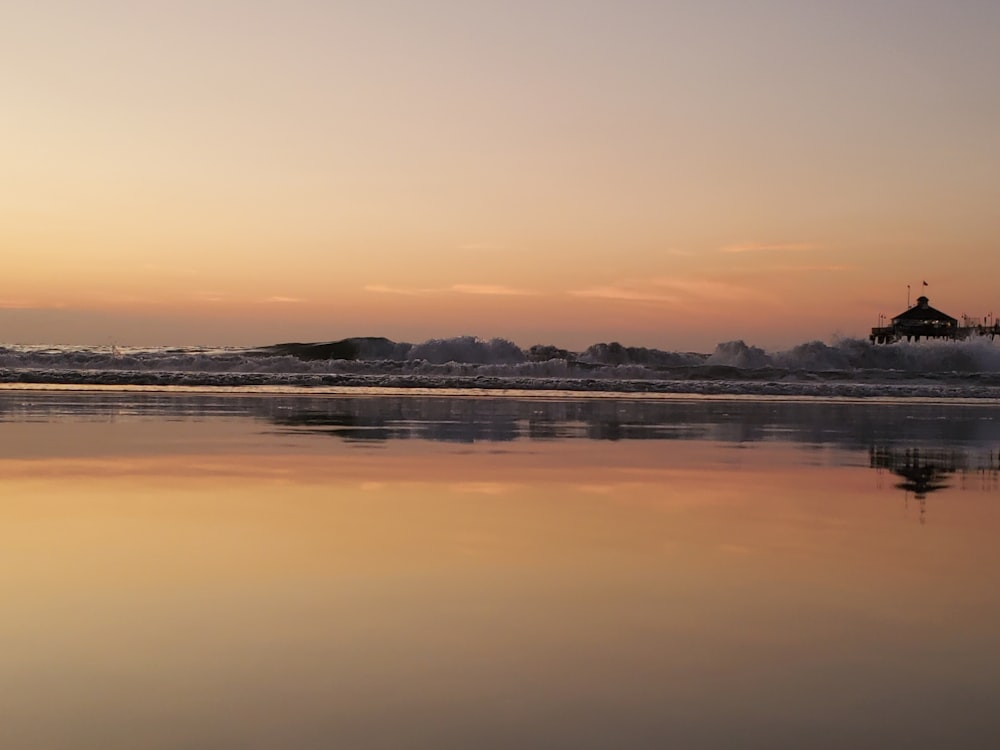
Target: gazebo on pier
920 321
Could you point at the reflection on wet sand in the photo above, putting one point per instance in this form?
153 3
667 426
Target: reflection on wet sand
456 417
928 470
221 573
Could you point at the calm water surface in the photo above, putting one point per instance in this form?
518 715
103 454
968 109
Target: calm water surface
199 571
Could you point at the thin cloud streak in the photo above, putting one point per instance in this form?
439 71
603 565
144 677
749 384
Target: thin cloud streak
491 289
385 289
483 289
706 289
212 297
622 293
792 269
681 293
484 488
284 300
169 270
763 247
476 246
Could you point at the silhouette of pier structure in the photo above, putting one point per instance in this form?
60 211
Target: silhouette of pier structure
927 470
921 321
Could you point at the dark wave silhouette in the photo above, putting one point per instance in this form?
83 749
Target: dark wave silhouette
850 368
977 355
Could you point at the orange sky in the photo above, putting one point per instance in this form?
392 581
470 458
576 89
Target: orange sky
668 175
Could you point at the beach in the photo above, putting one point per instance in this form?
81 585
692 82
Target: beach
491 375
394 570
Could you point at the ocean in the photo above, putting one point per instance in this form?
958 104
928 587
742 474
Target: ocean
848 368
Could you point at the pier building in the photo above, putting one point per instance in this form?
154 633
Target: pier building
924 321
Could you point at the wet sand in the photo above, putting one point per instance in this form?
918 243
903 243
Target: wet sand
254 572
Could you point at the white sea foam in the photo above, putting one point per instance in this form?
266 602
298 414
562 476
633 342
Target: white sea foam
848 367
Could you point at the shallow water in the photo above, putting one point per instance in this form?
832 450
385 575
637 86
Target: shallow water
243 571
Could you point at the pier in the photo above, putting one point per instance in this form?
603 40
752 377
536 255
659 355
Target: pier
925 322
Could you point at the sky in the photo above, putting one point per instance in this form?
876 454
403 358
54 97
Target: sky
664 174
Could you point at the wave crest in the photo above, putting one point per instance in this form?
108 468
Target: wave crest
971 364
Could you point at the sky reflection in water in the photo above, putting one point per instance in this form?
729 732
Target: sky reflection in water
245 572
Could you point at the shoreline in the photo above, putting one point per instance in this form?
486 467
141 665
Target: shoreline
540 389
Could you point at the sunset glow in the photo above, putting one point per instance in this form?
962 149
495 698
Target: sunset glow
661 174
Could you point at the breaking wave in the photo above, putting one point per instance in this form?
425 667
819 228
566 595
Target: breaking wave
848 367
